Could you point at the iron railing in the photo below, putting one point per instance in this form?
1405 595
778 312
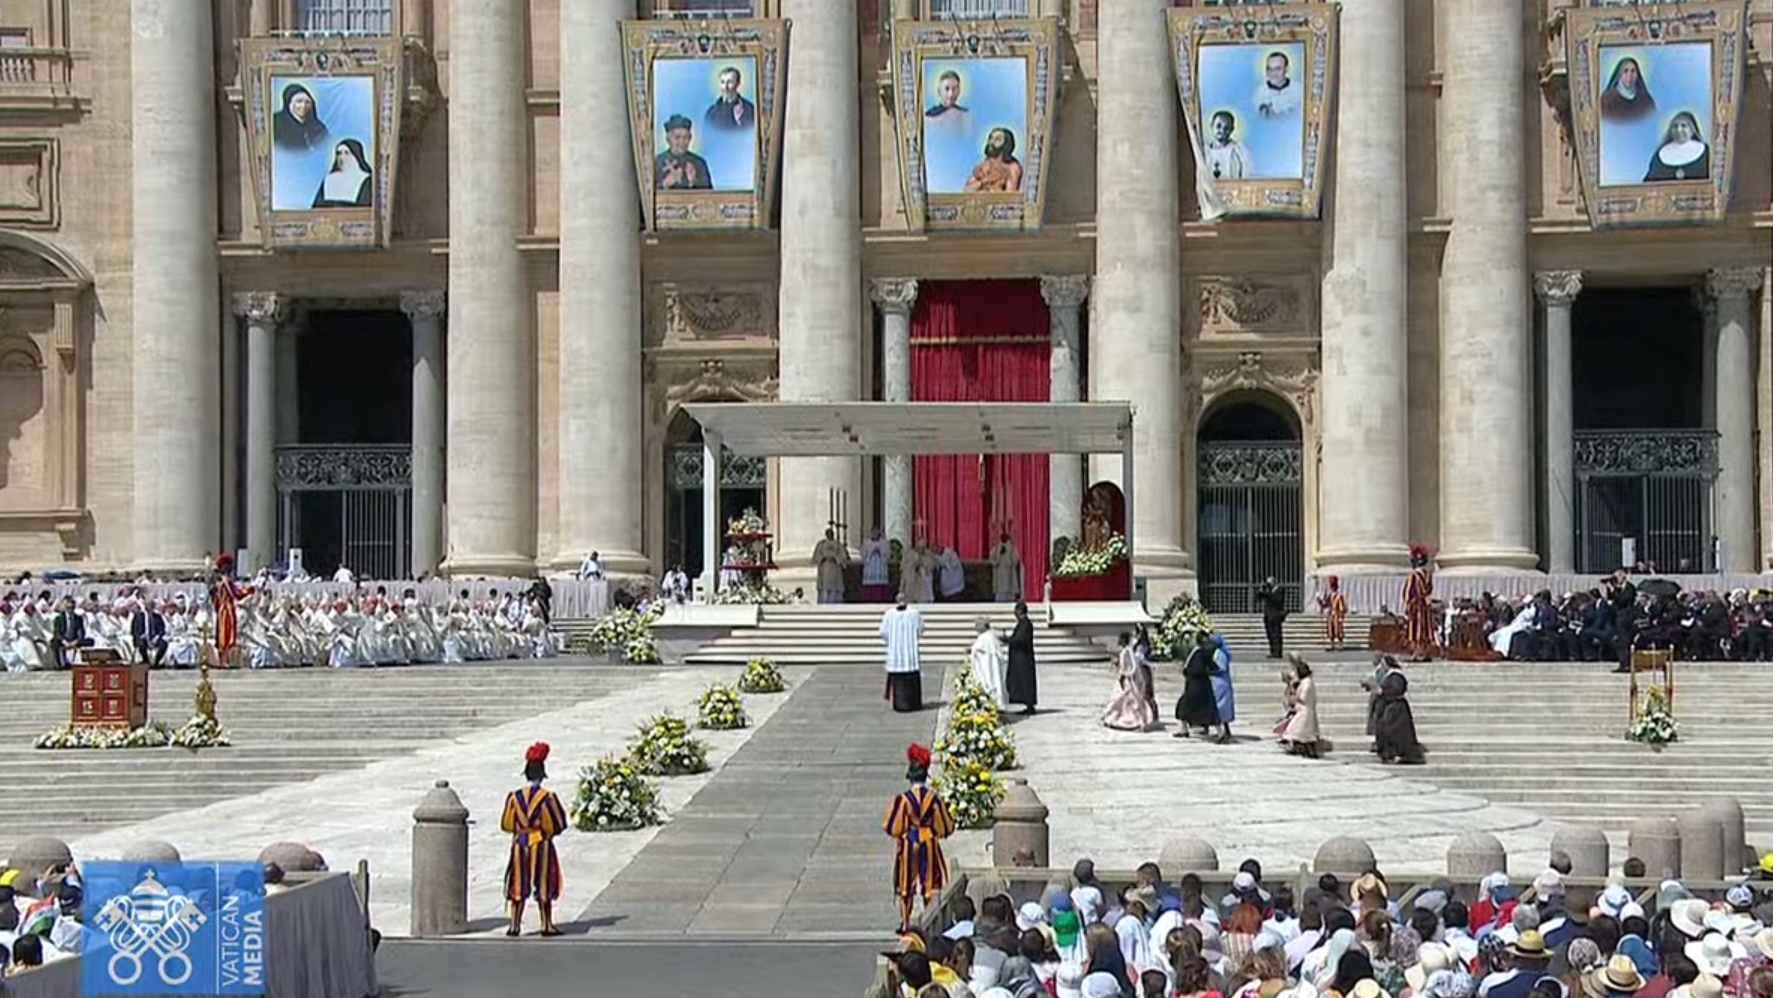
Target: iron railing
1652 486
1250 521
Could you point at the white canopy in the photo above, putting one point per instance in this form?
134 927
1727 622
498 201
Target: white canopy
838 429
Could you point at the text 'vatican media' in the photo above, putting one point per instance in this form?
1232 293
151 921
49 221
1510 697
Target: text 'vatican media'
240 950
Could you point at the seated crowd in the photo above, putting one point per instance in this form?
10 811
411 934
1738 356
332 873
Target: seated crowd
1151 939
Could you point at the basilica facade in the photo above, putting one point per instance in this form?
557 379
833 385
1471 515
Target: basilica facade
421 287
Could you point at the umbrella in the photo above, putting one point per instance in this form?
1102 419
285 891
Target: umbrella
1660 587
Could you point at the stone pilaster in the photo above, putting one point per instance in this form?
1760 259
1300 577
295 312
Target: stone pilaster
175 297
491 361
1557 291
1707 306
1363 495
602 409
260 312
1733 289
1065 296
425 310
821 266
896 297
1135 332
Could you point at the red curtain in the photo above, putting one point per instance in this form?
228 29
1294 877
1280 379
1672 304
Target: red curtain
982 341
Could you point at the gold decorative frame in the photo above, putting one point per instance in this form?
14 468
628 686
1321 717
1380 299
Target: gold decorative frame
1671 202
381 59
1312 25
766 41
1037 43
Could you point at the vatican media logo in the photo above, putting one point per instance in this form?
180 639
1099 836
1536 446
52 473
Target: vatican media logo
174 929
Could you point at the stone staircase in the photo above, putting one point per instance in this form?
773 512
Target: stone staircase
1549 738
1303 632
288 726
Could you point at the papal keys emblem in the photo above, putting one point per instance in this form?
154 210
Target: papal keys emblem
150 920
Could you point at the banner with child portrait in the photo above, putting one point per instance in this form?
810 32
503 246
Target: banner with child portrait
704 100
1654 94
1257 87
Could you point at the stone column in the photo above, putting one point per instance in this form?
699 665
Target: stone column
602 408
1708 363
425 310
1557 290
175 304
491 361
896 297
820 293
1486 323
1363 492
261 312
1065 297
289 383
1136 328
1733 289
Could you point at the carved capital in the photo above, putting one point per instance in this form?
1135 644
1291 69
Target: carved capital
422 306
1558 288
260 307
1064 290
894 295
1724 283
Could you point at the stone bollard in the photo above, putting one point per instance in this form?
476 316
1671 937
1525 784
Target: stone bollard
1019 836
1186 855
439 864
152 851
1343 854
1656 841
1702 845
33 857
1736 853
1476 855
1591 855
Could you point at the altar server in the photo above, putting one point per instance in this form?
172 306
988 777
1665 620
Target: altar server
901 628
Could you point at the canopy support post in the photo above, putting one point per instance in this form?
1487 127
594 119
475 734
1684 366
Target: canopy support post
1126 491
711 525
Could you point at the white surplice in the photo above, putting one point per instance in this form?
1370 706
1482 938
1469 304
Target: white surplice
901 628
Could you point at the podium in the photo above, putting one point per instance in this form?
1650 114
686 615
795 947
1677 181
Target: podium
108 693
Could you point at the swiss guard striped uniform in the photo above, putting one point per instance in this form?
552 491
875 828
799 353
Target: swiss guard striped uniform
917 821
533 817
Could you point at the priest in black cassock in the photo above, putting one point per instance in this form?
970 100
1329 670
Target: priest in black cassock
1019 680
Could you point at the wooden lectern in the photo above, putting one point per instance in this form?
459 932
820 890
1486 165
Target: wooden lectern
1660 663
108 692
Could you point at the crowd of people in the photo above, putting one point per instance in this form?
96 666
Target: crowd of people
1152 939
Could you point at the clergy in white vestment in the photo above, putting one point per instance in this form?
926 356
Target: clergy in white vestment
951 573
675 586
591 567
901 628
877 582
990 661
829 557
1006 571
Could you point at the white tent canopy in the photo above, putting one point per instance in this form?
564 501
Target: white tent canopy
867 429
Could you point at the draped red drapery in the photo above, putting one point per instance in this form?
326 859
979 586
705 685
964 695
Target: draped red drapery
982 341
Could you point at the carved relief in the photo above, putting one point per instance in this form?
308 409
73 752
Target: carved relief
29 190
749 379
716 313
1292 378
1232 305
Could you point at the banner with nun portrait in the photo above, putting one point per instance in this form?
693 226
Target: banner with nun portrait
704 103
1257 85
974 104
323 127
1654 95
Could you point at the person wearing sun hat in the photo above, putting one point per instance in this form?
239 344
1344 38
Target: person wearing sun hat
533 816
1714 954
1618 979
917 821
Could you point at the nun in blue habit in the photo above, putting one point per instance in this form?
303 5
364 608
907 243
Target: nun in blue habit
1223 695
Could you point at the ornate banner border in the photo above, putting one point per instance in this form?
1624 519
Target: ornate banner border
381 59
1313 25
1035 41
764 40
1586 31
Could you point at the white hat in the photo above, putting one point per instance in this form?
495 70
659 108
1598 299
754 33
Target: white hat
1688 917
1613 900
1714 954
1100 984
1244 882
1430 957
1548 884
1631 910
1030 915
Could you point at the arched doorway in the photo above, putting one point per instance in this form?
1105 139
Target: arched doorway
742 482
1248 489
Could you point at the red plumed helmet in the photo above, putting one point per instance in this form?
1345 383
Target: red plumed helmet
917 755
224 560
536 753
1419 551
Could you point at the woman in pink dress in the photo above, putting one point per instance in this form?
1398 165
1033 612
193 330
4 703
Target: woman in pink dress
1134 705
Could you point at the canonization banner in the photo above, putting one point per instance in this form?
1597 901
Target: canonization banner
190 928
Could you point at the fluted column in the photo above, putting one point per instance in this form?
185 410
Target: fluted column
820 294
425 310
260 312
602 410
1135 333
491 361
1363 492
896 297
1557 290
1065 296
175 297
1733 289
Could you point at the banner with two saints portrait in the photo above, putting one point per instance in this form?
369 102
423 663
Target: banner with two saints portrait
1654 94
1257 86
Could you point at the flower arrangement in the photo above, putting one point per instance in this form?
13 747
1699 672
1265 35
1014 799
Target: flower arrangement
753 593
1079 563
1183 619
614 796
201 731
975 728
154 734
628 633
720 709
971 791
1655 724
761 676
664 747
748 523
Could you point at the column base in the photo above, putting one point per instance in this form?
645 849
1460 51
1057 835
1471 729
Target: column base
489 566
1495 561
1374 559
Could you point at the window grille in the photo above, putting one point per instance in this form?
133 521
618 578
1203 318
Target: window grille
977 10
344 17
704 8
